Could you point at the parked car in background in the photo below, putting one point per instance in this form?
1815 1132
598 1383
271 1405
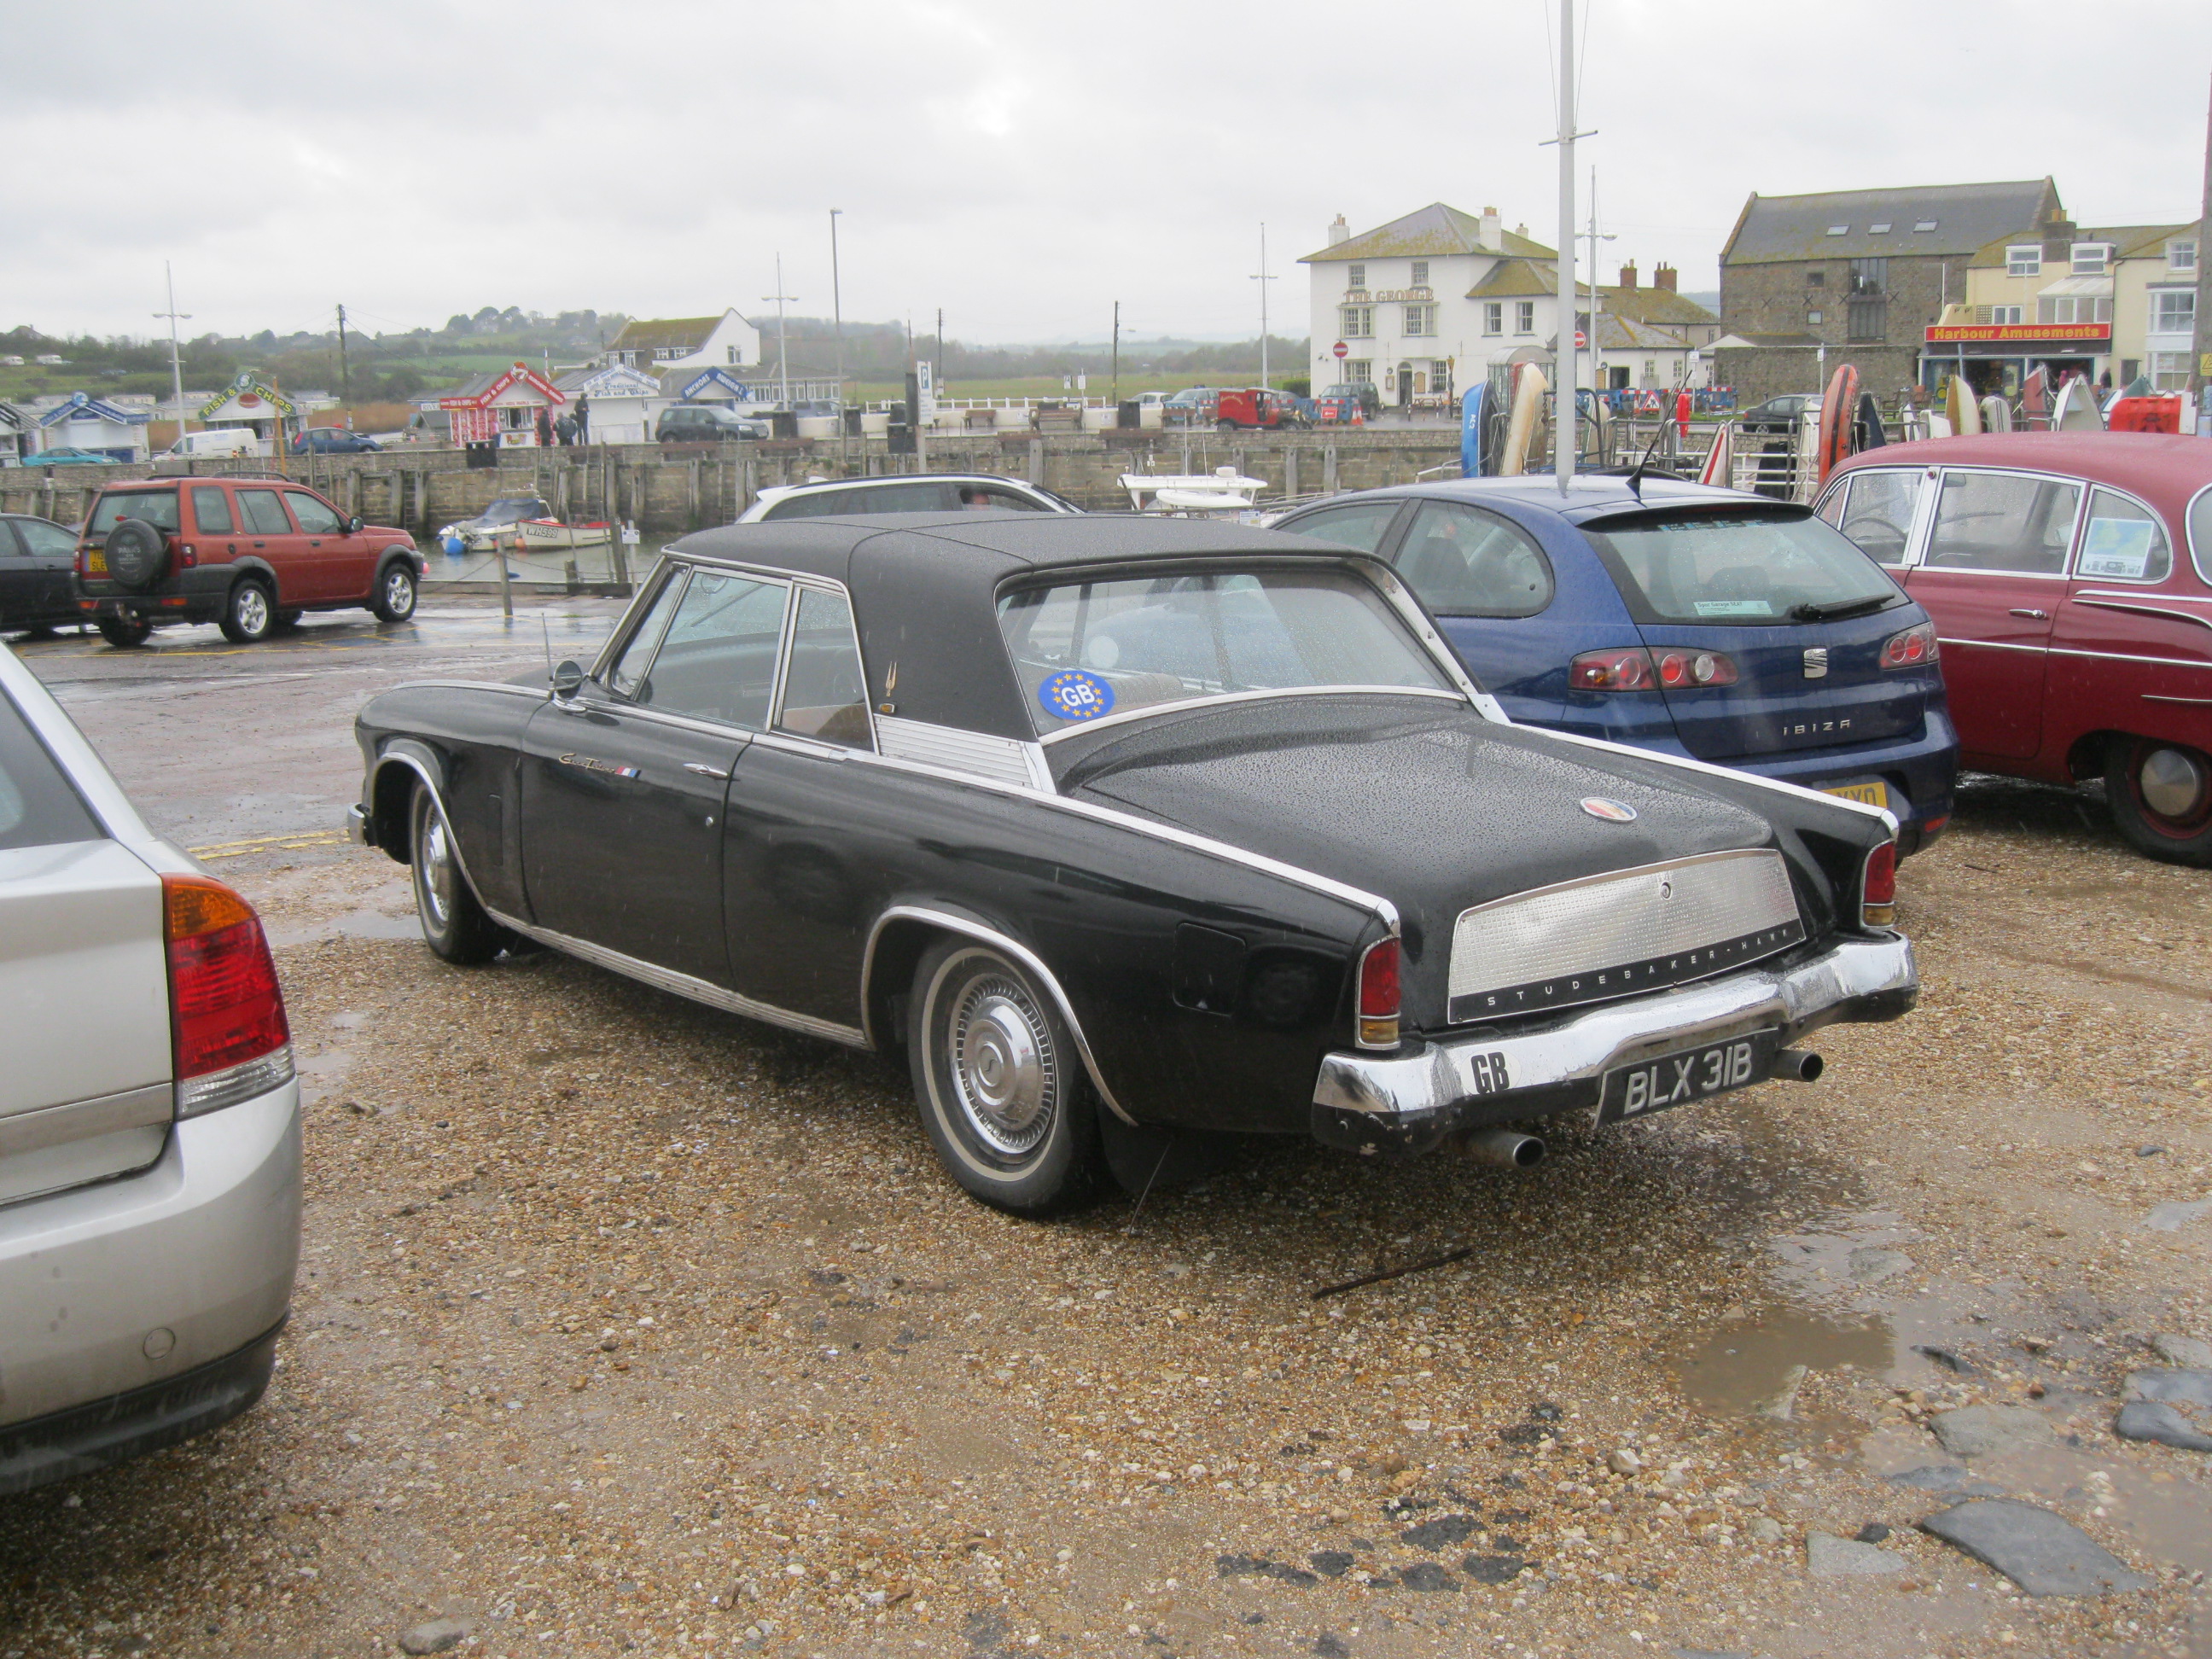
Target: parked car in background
68 456
1127 829
1779 414
334 440
1258 406
1192 406
2069 576
149 1121
706 423
1335 406
250 553
37 558
216 442
926 492
1696 621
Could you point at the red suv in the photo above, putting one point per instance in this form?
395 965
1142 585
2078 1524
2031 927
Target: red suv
251 554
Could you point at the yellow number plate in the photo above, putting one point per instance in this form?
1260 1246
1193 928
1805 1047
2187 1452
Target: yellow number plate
96 563
1874 794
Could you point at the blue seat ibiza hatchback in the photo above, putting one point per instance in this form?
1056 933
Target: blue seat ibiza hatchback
1727 628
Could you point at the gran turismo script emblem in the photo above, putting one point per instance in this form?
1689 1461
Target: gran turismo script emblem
1816 662
1611 811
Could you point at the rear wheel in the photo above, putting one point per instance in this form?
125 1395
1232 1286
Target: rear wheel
2160 794
1001 1088
395 593
454 924
248 614
124 632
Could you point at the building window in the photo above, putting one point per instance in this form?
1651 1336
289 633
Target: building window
1881 229
1524 317
1355 276
1870 277
2181 254
1493 317
2071 309
1421 320
1816 279
1816 317
2172 310
2169 371
2005 316
2090 259
1869 319
2024 260
1924 224
735 356
1359 371
1420 273
1358 322
1839 230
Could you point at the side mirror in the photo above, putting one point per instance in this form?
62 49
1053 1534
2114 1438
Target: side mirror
568 680
354 525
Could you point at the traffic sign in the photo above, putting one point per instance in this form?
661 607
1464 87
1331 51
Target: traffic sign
1342 350
1581 340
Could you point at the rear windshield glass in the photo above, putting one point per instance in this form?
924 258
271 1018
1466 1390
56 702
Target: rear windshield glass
1086 650
879 498
1746 567
37 808
157 507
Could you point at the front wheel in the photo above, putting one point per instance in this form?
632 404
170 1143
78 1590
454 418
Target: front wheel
2160 794
454 925
1001 1088
395 593
125 632
248 615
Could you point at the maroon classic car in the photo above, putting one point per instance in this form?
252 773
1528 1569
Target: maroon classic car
2069 575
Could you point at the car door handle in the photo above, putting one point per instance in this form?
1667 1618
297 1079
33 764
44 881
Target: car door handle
705 771
2032 615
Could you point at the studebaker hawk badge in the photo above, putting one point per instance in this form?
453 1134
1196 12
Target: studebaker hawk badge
1611 811
591 765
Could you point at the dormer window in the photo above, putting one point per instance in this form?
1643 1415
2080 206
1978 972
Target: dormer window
1355 276
2024 260
2090 259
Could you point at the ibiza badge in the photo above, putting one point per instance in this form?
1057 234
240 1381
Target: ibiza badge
1611 811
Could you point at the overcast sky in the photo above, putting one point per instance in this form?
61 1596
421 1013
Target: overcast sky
1021 163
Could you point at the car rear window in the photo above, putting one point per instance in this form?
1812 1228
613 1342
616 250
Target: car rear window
882 498
38 807
1088 649
156 506
1737 567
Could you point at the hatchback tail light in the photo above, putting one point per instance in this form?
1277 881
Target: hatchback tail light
1692 668
226 1010
1378 996
1878 887
1630 669
1915 647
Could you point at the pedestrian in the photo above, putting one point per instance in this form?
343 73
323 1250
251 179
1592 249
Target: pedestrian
583 419
544 428
565 431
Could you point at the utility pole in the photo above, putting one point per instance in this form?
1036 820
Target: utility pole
1117 354
1263 279
345 374
783 358
939 388
176 364
2201 337
1564 357
836 302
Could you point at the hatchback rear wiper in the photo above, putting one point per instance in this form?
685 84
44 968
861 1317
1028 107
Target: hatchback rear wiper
1842 608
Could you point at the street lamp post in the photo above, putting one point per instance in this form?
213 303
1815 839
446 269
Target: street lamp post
1261 278
782 356
176 364
836 303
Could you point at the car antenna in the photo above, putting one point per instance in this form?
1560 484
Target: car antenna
1636 476
547 628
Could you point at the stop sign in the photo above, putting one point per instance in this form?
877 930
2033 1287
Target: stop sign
1342 350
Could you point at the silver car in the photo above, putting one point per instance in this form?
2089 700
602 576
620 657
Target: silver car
910 492
149 1121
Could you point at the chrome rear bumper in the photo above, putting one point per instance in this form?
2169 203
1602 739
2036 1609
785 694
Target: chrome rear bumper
1411 1100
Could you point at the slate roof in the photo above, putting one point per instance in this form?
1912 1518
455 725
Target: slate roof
1776 229
2132 241
1436 230
1662 306
667 334
1511 279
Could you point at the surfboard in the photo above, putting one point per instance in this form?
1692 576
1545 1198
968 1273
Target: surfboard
1527 403
1836 408
1470 431
1965 414
1720 460
1866 432
2076 409
1996 414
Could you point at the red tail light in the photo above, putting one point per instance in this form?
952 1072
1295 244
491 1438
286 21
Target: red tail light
1626 670
1878 887
1378 996
1915 647
1690 668
226 1010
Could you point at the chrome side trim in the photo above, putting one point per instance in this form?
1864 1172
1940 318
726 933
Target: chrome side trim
1002 760
954 923
2122 656
535 695
1781 786
682 985
1990 644
1223 699
2194 703
81 1120
1796 1000
2138 607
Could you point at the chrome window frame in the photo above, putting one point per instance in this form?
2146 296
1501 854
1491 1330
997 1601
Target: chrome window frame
1841 490
837 590
2081 535
2199 556
1924 524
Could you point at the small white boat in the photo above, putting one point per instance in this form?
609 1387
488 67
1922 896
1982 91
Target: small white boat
550 533
1222 493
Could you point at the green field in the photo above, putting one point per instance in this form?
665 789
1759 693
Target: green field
1050 385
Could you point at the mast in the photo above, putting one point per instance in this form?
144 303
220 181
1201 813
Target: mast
176 365
1565 360
782 356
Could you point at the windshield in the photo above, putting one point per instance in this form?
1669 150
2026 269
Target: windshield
514 510
1090 649
1747 568
157 507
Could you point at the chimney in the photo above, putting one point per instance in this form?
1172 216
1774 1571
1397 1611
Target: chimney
1490 234
1628 274
1339 232
1663 276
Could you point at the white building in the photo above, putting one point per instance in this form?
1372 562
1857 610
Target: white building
624 402
725 342
1427 305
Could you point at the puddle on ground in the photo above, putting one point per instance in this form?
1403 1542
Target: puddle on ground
1752 1365
353 924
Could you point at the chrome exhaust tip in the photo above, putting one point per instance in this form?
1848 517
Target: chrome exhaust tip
1799 1064
1507 1149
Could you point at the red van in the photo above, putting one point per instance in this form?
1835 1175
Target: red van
2070 577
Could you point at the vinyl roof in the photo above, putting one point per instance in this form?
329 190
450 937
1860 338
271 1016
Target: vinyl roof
1773 229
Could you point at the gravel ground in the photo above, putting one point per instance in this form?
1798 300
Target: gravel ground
626 1327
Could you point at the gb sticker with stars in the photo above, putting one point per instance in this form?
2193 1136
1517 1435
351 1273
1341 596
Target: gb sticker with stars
1073 694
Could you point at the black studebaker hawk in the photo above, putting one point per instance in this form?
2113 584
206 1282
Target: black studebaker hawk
1127 831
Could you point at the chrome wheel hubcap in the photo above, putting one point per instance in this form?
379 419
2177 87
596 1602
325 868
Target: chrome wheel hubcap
1004 1070
252 610
398 594
2171 782
437 872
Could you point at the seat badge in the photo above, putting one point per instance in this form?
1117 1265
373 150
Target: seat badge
1816 662
1611 811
